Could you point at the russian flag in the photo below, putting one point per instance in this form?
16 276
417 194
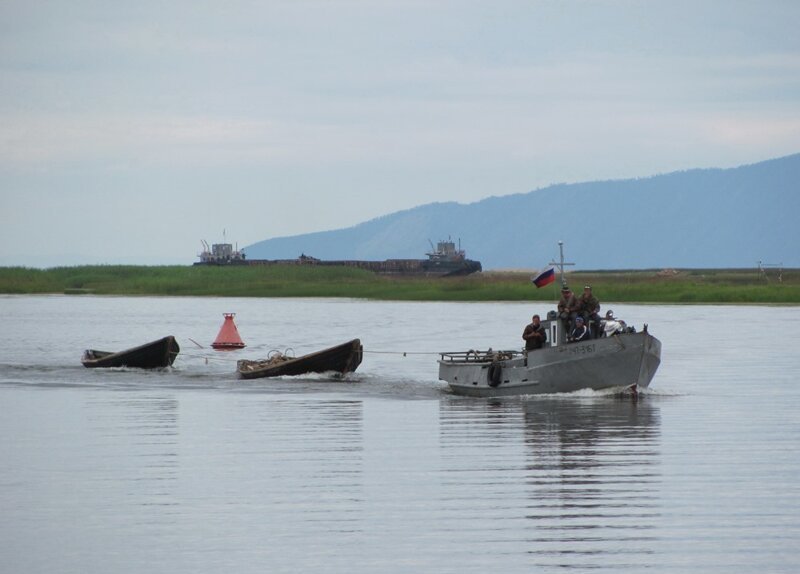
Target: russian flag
545 277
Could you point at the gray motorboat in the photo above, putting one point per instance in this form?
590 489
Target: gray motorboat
622 360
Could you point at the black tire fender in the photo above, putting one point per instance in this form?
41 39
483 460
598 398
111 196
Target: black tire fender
495 374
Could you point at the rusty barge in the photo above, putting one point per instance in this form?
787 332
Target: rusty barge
444 260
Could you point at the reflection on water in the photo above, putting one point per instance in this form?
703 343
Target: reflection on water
585 493
312 467
593 475
135 446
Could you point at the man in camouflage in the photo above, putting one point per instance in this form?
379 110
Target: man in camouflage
589 309
568 308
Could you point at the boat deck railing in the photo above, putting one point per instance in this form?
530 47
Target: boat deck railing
477 356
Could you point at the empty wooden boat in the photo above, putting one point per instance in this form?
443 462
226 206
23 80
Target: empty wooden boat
154 355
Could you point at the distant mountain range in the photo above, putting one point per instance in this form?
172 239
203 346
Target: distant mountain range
697 218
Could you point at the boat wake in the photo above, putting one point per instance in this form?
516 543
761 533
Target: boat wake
213 376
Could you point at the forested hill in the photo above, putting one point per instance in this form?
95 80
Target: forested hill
697 218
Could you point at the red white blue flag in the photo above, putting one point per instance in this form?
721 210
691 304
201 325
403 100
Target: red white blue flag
545 277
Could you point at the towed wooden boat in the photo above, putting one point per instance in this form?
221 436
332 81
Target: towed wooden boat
344 358
152 355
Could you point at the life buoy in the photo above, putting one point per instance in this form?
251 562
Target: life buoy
495 374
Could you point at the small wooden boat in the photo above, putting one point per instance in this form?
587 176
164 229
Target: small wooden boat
153 355
341 359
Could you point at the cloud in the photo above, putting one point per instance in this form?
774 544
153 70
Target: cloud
443 109
752 132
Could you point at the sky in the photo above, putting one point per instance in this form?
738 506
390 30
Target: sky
131 131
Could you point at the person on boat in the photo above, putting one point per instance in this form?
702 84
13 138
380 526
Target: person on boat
612 325
581 332
589 310
534 334
568 308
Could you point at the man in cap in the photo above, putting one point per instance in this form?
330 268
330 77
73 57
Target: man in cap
589 310
580 332
568 308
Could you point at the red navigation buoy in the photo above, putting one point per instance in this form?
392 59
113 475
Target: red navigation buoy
228 337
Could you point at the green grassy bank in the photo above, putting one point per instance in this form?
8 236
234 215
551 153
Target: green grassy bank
684 286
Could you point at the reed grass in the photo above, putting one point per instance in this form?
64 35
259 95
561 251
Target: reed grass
686 286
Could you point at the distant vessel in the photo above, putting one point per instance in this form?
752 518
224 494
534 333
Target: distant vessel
221 254
444 260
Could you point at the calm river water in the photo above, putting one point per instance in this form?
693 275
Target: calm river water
191 470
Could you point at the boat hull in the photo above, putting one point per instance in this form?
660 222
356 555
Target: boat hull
344 358
153 355
620 361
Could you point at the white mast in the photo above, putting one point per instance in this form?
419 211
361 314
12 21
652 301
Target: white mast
560 264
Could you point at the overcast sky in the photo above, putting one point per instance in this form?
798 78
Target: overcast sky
129 131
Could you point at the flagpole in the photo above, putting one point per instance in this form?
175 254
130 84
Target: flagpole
560 264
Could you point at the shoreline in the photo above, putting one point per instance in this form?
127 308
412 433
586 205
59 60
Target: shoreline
679 286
